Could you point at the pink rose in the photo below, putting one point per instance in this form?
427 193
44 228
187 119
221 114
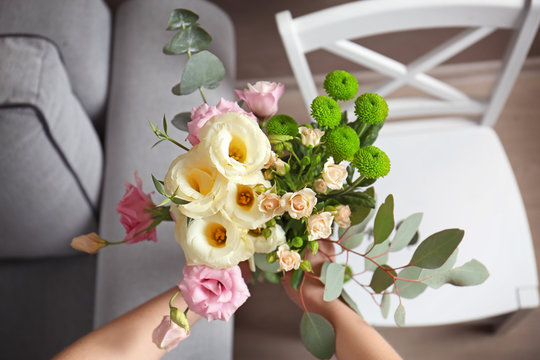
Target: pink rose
262 98
135 217
203 113
167 335
213 293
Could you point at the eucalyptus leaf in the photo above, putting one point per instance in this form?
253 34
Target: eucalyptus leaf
272 277
410 289
181 17
436 249
296 278
191 39
352 241
381 280
399 315
384 220
180 121
349 301
405 232
469 274
324 268
261 263
385 305
335 274
376 251
438 277
318 335
203 69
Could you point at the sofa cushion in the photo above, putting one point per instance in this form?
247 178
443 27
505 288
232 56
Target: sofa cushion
141 84
81 29
51 157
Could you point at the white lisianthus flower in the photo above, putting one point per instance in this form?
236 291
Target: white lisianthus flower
334 174
214 241
319 226
299 204
266 245
288 259
196 180
241 204
310 137
237 147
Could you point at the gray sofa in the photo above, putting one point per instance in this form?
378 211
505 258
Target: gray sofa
78 85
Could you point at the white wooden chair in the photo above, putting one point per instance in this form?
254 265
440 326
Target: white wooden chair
453 170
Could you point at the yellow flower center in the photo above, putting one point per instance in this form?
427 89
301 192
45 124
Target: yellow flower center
200 180
216 234
244 196
237 149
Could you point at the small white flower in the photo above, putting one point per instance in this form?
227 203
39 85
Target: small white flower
310 137
266 245
236 145
343 216
320 225
288 259
213 241
334 174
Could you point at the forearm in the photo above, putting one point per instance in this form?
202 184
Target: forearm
128 336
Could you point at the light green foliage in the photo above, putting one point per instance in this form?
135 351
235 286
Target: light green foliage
335 274
405 231
341 85
371 108
384 220
436 249
203 69
318 335
342 143
372 162
326 112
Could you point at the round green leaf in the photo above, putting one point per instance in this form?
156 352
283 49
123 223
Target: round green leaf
405 231
181 17
261 263
437 248
352 240
203 69
335 274
318 335
381 280
192 38
385 305
409 289
399 315
180 121
384 220
469 274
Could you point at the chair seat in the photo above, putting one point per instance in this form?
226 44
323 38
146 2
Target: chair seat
458 175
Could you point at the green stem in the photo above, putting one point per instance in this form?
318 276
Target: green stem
114 242
361 129
351 187
172 299
177 143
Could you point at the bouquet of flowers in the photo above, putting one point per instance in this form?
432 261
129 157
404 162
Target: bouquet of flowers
257 187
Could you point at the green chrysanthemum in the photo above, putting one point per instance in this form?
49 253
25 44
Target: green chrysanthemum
326 111
372 162
371 108
282 125
342 143
341 85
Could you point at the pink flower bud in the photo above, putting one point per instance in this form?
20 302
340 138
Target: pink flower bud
262 97
168 335
89 243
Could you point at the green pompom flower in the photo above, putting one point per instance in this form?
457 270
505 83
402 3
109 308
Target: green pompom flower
326 111
372 162
341 85
282 125
342 143
371 108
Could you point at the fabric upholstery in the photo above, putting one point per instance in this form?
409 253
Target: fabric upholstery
51 157
140 92
82 31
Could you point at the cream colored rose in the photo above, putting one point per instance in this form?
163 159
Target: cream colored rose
288 259
334 174
320 186
282 167
299 204
343 216
266 245
196 180
319 226
269 204
310 137
213 241
236 145
241 205
271 160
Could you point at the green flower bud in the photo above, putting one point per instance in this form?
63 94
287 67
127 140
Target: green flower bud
341 85
372 162
267 232
271 223
306 266
306 161
271 257
326 111
297 242
371 108
342 143
282 125
313 247
179 318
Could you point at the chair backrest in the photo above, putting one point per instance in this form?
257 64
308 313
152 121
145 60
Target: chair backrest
334 28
